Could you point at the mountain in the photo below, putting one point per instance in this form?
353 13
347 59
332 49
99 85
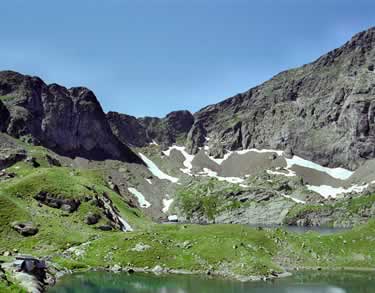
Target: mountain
248 160
142 131
323 111
70 122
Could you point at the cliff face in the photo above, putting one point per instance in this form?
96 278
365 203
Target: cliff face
69 121
141 131
323 111
4 117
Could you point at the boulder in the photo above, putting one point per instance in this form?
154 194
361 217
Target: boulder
25 228
67 205
92 219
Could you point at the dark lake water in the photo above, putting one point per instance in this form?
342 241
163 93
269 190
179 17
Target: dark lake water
306 282
304 229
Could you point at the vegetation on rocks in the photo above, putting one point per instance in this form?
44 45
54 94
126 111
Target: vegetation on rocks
208 198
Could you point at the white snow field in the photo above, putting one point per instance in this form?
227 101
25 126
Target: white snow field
167 204
323 190
173 218
156 171
338 173
188 158
328 191
294 199
140 197
289 174
209 173
127 227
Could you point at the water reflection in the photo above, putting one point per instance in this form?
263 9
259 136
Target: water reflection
305 282
304 229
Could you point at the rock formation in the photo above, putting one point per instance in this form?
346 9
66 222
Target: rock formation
139 132
69 121
323 111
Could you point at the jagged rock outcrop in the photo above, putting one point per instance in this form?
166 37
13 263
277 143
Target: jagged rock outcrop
128 129
4 117
71 122
323 111
10 151
141 131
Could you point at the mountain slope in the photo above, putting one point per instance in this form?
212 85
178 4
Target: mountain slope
140 132
69 121
323 111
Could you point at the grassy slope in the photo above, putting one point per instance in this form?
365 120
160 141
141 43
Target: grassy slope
234 249
58 229
351 205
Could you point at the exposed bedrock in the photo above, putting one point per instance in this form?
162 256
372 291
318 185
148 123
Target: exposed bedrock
71 121
323 111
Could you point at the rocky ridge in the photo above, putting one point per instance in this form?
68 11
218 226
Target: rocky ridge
140 132
322 111
70 122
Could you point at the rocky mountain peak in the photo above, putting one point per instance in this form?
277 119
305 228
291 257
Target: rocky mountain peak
70 122
166 131
322 111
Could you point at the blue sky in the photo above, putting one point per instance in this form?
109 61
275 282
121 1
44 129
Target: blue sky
150 57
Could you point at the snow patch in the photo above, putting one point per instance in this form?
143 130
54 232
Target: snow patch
126 226
156 171
141 199
167 204
173 218
209 173
289 174
328 191
188 158
148 180
338 173
243 152
294 199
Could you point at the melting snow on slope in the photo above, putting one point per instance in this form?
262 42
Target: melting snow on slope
173 218
188 158
213 174
289 174
339 173
294 199
243 152
167 204
141 199
329 191
156 171
127 227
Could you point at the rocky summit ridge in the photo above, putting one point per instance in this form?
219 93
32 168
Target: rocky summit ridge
70 122
322 111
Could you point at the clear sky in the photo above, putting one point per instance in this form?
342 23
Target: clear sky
150 57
